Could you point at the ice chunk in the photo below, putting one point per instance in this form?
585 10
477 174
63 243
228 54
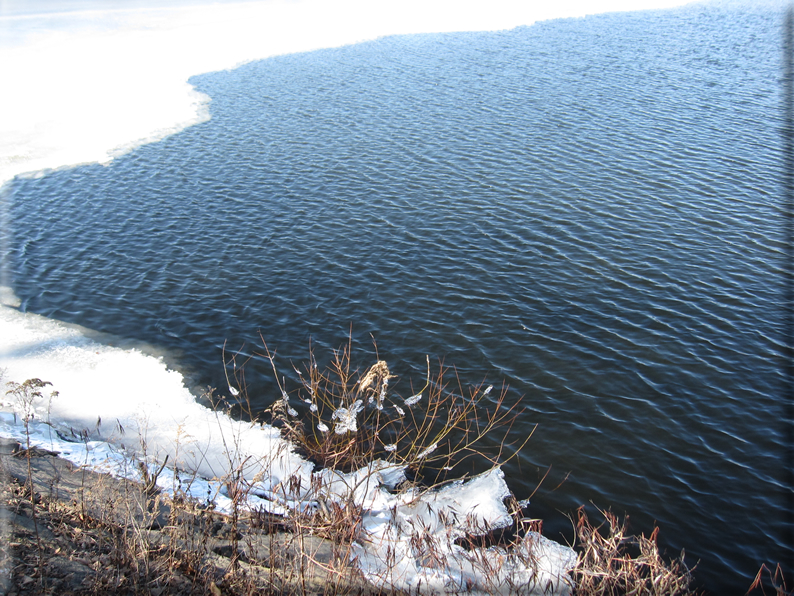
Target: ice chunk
346 418
414 399
412 545
427 451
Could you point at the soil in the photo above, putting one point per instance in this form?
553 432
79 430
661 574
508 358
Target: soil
81 532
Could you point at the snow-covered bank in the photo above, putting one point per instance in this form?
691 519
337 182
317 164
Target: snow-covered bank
129 400
115 408
87 85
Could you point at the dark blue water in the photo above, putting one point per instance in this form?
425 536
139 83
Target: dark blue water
586 209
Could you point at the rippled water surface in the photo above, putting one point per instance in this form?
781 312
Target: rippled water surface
587 209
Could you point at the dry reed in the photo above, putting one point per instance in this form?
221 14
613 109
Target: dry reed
619 564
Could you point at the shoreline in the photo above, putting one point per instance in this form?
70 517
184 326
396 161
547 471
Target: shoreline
271 480
69 530
85 532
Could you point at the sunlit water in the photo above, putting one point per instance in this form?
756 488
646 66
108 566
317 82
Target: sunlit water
585 209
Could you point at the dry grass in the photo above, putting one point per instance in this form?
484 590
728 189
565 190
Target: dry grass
343 419
95 534
68 530
615 563
768 582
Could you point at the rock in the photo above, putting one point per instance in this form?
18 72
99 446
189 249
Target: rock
73 573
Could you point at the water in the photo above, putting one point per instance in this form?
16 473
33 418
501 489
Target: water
585 209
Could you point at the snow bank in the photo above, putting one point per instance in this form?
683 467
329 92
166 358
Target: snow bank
125 396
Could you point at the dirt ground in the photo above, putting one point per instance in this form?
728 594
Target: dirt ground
88 533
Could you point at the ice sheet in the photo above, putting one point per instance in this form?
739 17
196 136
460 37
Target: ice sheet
85 84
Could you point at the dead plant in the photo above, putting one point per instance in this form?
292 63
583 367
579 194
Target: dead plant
351 419
616 563
26 395
775 582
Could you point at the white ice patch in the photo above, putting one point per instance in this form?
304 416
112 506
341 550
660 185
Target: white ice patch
140 402
146 56
414 544
346 419
427 451
414 399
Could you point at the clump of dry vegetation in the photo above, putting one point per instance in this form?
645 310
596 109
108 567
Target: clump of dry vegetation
616 563
352 425
348 419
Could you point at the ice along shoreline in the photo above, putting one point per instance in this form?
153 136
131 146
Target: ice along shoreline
217 453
